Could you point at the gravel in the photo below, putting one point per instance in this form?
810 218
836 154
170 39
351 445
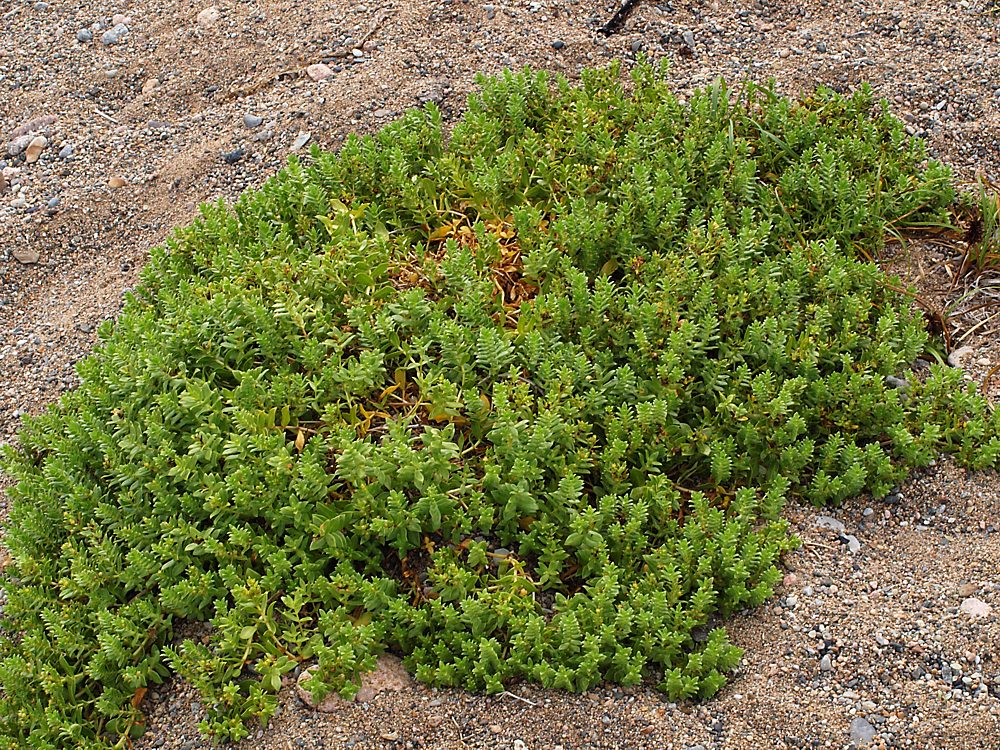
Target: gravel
907 624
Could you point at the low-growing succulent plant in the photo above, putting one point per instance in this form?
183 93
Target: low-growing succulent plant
518 402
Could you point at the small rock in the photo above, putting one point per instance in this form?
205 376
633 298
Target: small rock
862 732
319 71
558 44
688 38
252 121
25 255
53 202
300 140
853 545
114 35
117 182
826 664
957 357
636 46
829 522
520 745
208 17
66 151
901 384
976 608
150 85
18 144
35 148
32 126
433 93
84 35
233 156
968 589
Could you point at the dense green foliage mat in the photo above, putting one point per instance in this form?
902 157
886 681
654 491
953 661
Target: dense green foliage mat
523 402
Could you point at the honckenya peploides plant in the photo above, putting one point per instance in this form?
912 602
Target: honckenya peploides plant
518 402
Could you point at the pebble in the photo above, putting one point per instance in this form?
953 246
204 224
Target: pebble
901 384
862 732
319 71
66 151
35 148
114 35
84 35
957 357
853 545
829 522
150 85
208 17
252 121
688 38
976 608
231 157
26 255
826 663
117 182
300 140
558 44
968 589
17 145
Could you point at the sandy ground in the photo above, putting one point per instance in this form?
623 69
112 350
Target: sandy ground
897 645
